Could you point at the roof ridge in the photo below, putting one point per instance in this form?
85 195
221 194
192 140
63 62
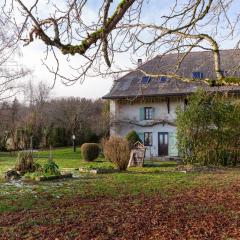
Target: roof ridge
159 55
200 51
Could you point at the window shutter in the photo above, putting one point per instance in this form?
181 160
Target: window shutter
141 136
172 144
141 113
153 113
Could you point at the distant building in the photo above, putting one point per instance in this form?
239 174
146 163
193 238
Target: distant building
148 104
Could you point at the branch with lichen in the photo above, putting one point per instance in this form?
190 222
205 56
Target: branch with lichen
91 39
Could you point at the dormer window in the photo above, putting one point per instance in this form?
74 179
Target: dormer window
197 75
146 80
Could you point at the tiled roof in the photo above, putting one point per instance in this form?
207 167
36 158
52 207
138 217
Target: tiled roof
130 84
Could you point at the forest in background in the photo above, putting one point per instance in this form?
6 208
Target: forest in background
41 121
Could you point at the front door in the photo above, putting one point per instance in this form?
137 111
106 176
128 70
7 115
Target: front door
163 144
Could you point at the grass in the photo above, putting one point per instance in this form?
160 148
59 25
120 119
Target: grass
74 202
64 157
6 161
154 178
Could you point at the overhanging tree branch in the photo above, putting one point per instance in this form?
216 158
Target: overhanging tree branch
109 24
120 27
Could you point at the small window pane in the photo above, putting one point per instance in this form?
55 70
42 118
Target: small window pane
150 139
161 139
165 138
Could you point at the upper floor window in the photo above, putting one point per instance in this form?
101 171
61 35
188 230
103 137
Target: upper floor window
148 113
197 75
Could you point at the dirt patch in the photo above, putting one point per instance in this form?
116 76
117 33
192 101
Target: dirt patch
202 213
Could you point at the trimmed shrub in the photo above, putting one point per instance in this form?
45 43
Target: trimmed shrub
116 150
90 151
132 137
25 162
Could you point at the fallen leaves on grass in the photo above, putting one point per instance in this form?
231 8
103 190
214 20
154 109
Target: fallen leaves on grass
200 213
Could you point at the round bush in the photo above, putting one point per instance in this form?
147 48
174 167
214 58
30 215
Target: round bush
90 151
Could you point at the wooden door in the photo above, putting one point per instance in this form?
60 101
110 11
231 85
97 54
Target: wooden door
163 144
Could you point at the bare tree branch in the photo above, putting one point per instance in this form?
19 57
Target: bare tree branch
124 27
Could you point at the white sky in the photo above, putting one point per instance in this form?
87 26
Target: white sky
90 88
32 56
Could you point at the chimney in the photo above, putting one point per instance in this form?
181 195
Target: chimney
139 62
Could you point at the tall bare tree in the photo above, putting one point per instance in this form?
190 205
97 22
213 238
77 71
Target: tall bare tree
122 26
10 69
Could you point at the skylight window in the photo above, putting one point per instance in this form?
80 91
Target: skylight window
197 75
163 79
146 80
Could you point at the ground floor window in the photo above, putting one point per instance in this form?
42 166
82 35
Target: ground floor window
148 139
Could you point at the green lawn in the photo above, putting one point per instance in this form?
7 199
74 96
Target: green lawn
150 179
73 200
64 157
6 162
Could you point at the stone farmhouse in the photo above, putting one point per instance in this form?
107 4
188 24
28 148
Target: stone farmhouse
146 102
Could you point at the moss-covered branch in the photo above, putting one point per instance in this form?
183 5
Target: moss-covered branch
92 38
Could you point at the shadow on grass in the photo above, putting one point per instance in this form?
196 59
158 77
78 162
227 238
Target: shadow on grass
164 165
151 173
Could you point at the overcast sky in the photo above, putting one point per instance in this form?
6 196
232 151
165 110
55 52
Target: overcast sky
90 88
33 54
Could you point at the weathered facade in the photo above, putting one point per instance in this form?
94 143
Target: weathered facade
148 104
